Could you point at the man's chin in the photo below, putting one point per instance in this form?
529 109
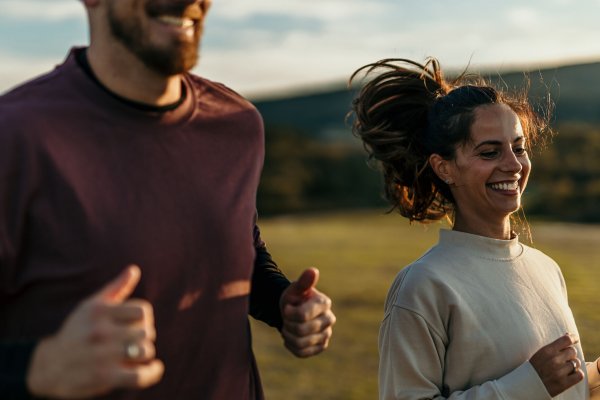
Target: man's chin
169 64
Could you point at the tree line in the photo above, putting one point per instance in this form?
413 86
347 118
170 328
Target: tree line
302 173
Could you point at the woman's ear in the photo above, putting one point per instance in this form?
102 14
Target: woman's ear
442 168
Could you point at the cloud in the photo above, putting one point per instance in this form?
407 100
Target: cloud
305 58
258 29
523 17
326 10
50 10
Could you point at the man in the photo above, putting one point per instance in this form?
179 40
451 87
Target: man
127 223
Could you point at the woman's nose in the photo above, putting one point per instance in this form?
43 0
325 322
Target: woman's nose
511 163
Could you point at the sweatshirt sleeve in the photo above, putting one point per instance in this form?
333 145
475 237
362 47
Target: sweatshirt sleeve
411 366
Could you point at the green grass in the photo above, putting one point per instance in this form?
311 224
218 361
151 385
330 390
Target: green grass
359 254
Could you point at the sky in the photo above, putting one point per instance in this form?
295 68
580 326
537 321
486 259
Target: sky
270 48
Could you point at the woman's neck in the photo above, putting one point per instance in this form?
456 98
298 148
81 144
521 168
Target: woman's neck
479 226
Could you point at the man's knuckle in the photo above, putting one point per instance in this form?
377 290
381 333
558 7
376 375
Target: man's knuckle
304 353
332 319
305 315
149 351
328 320
143 334
98 332
315 340
147 310
302 330
151 333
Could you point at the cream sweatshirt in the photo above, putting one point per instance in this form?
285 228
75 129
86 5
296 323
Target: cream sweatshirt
462 322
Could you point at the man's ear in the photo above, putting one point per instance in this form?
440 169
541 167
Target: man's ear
442 168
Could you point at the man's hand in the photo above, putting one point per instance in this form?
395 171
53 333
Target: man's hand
307 316
106 343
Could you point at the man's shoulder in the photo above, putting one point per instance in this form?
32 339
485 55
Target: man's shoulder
217 90
32 99
31 90
202 82
26 108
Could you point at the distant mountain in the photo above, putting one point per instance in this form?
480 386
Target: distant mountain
319 115
574 89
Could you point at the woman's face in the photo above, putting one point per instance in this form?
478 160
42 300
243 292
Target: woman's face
490 171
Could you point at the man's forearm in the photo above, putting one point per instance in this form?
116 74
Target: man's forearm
268 283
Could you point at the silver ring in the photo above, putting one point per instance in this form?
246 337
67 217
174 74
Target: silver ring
132 351
574 364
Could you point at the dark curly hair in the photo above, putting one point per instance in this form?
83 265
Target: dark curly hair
408 111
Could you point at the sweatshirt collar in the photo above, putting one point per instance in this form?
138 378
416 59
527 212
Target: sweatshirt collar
482 246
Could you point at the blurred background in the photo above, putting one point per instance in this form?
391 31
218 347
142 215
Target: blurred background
319 203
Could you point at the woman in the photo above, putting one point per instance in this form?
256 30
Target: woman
480 315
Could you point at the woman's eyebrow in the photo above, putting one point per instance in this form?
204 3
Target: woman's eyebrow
497 142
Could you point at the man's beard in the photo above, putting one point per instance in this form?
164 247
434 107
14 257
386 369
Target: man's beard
176 58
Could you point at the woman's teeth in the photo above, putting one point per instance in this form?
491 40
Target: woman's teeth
505 186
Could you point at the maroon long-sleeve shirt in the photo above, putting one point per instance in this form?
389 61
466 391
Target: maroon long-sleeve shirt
89 184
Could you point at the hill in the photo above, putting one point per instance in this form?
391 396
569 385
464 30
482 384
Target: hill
321 115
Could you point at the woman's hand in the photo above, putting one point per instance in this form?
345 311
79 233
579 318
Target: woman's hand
557 364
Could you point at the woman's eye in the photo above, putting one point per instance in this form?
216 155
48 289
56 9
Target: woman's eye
489 154
519 151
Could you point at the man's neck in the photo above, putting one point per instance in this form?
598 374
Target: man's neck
124 74
82 60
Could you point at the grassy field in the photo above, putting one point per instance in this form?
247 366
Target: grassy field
359 254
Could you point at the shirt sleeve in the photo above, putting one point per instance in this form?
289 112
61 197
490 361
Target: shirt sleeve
13 369
268 283
17 179
411 366
593 379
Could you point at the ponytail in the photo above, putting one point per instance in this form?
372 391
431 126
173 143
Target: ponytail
391 117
